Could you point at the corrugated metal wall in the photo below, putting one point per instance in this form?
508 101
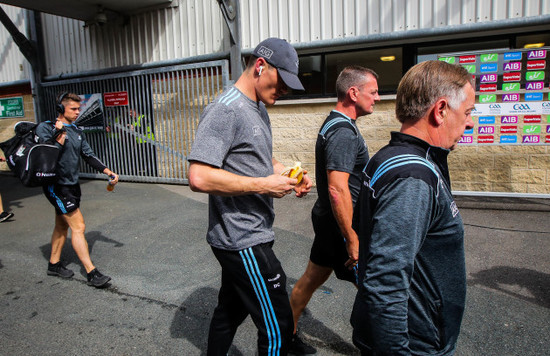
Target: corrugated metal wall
13 65
189 28
196 27
314 20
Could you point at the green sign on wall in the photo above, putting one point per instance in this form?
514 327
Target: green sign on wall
11 107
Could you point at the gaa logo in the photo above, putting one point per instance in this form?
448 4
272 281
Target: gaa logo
494 106
521 107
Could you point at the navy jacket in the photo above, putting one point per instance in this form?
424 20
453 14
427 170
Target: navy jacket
412 274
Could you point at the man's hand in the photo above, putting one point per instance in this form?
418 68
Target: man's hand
277 186
352 246
61 138
304 187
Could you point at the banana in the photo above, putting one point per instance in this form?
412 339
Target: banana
295 172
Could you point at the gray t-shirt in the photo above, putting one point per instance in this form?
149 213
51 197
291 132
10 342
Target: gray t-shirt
340 147
234 134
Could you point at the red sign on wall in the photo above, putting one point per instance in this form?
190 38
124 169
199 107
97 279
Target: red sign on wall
119 98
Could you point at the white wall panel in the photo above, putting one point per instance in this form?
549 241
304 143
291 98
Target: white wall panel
13 65
334 19
197 27
193 27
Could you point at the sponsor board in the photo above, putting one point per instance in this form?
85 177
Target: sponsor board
511 86
531 139
486 139
509 120
533 96
484 88
471 68
466 139
467 59
486 130
531 129
508 139
536 54
534 86
488 78
511 77
512 56
536 75
509 129
451 60
547 139
489 57
469 131
487 98
532 119
536 65
510 97
486 120
511 66
513 108
488 68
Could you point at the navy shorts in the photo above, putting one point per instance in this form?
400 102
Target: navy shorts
64 198
329 247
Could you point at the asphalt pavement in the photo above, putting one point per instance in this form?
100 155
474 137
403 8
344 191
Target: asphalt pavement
150 239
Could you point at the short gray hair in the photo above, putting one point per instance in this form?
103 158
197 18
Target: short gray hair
427 82
351 76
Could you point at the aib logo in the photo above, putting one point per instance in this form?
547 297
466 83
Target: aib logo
265 52
541 53
521 107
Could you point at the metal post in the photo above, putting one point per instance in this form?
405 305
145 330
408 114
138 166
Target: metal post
231 13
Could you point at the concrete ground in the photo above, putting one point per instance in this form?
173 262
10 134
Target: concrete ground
150 239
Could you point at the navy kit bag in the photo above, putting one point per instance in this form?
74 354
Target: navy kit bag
32 162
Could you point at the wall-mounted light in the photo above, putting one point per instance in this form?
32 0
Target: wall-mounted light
100 17
387 58
534 45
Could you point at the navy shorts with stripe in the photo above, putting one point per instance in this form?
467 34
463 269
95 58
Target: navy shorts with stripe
64 198
253 283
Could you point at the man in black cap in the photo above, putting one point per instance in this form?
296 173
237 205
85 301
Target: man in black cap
231 160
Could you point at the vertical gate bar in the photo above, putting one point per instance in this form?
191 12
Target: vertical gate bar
134 111
167 129
145 125
188 112
149 156
178 120
155 89
137 131
184 115
147 83
168 119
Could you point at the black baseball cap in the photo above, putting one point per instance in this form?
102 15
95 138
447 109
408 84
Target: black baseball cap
280 54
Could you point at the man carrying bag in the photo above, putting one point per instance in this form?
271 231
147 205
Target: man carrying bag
65 193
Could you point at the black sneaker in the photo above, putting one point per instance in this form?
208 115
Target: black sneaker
97 279
299 347
59 270
5 216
